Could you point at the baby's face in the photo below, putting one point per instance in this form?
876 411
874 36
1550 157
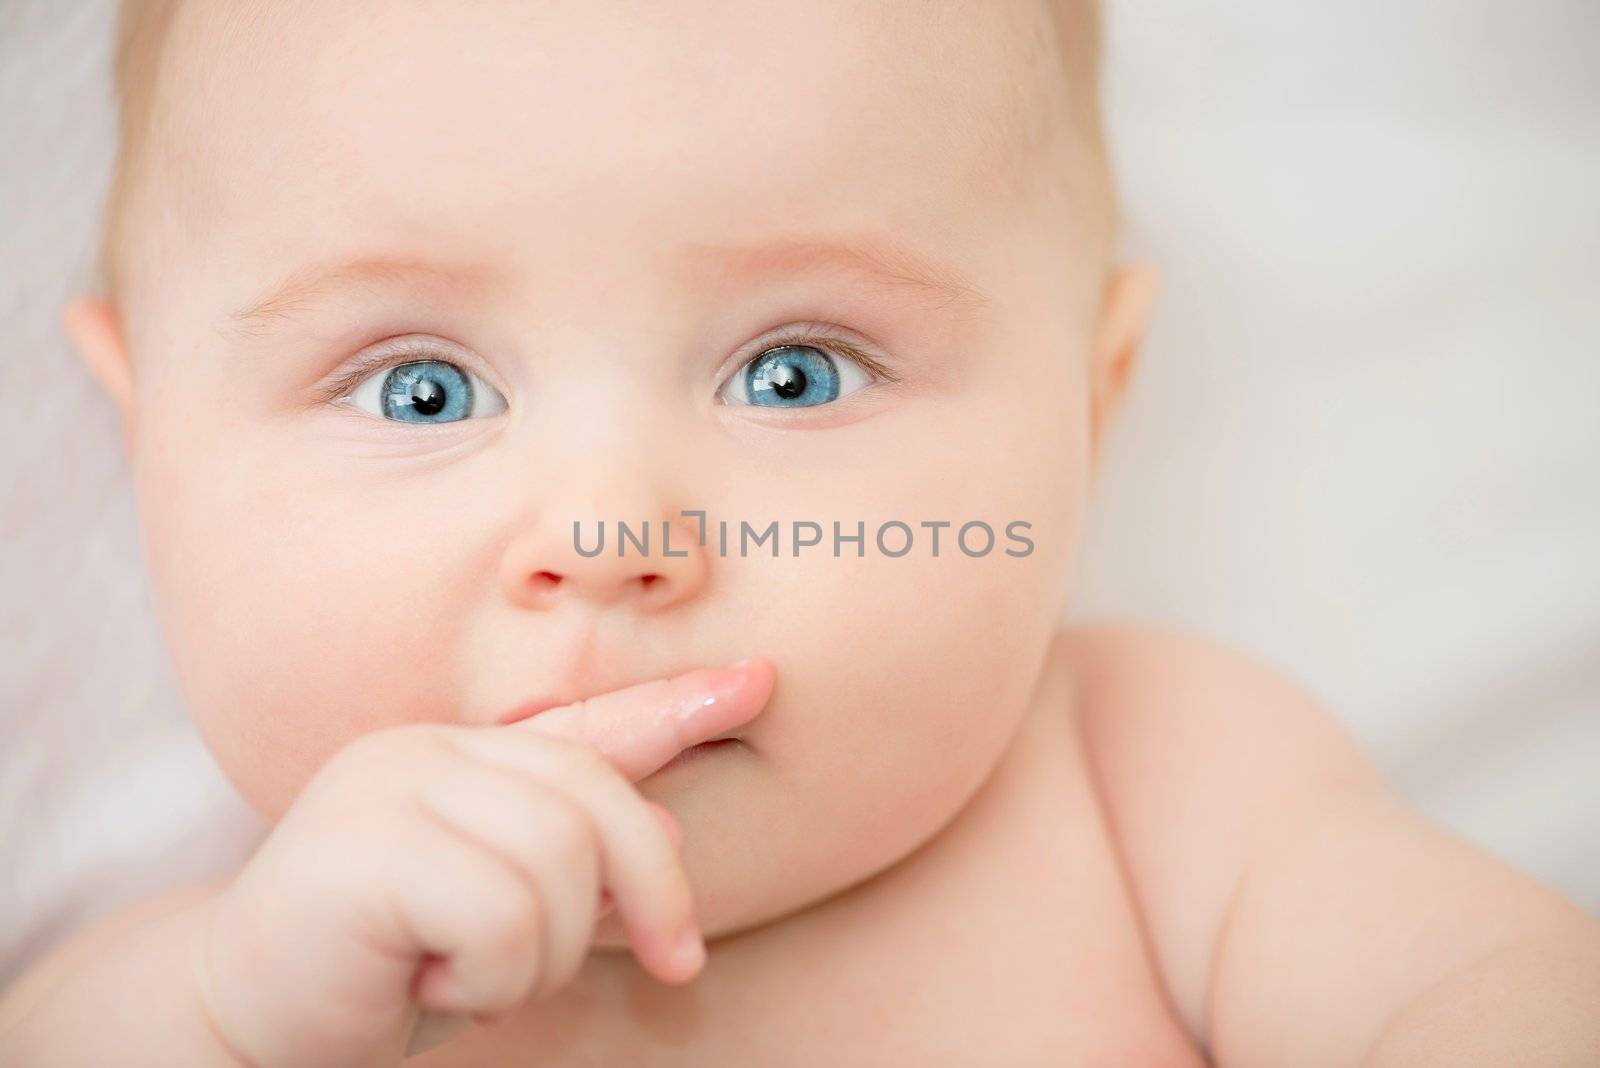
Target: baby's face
584 224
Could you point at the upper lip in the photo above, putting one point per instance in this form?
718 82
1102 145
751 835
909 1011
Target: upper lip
532 708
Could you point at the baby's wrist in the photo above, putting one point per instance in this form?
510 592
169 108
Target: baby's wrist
203 989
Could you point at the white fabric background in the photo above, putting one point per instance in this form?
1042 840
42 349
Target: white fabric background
1364 443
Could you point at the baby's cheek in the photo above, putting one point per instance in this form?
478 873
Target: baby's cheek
937 656
320 657
900 684
297 621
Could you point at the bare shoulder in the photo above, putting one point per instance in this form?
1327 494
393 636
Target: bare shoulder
92 939
1141 685
1199 752
1274 868
1165 713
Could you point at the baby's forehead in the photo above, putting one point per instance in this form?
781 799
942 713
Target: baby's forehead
304 115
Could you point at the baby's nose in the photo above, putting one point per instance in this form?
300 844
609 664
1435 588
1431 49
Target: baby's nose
646 567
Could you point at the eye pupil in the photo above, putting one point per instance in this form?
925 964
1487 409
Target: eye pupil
787 380
427 396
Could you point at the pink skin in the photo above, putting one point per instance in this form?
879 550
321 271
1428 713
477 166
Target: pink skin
321 573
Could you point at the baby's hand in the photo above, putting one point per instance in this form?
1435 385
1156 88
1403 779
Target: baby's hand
460 870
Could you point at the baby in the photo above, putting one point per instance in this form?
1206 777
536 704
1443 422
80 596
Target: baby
611 475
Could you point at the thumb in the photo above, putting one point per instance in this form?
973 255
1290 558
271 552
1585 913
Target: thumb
639 728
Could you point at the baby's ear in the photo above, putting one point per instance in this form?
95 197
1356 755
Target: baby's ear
92 324
1130 290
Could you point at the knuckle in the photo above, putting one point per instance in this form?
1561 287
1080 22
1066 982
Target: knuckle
507 921
372 766
556 977
389 745
510 955
502 997
568 832
607 785
588 761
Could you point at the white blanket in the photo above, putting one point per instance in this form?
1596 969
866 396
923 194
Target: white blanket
1364 443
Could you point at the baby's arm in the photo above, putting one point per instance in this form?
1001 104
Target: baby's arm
1300 912
427 876
125 975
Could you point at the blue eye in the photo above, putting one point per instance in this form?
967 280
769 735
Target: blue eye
427 391
794 376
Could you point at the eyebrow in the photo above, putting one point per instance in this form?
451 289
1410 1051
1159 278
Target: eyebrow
310 286
892 265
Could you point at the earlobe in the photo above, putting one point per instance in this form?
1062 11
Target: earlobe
93 326
1129 294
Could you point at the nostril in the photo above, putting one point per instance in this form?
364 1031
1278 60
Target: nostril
647 580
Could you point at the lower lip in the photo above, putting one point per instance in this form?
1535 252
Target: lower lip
695 752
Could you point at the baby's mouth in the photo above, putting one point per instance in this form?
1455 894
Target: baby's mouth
531 708
697 752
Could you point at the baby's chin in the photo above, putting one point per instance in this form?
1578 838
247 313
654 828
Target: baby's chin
610 942
611 937
609 934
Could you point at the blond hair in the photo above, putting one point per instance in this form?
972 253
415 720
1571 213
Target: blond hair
1071 90
141 36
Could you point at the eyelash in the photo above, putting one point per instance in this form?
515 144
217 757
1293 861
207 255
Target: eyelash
373 362
410 351
808 336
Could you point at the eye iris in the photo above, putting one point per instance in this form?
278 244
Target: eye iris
417 392
792 372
